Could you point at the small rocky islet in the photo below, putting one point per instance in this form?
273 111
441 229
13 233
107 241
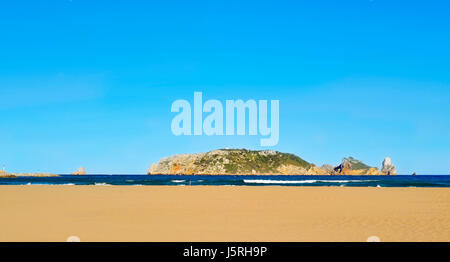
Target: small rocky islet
4 174
80 171
260 162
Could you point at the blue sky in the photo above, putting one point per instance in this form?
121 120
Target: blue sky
91 83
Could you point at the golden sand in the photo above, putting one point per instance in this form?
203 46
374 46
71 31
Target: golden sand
223 213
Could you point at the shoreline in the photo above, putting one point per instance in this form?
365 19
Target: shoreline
244 185
223 213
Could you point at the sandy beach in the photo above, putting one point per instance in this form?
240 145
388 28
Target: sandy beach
223 213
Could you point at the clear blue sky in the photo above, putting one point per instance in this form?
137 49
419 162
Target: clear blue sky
91 83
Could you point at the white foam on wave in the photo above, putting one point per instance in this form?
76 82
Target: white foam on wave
36 184
44 184
268 181
101 184
345 181
178 181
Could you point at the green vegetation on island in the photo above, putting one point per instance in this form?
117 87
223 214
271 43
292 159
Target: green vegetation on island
263 162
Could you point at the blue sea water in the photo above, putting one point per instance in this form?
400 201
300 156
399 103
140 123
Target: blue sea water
179 180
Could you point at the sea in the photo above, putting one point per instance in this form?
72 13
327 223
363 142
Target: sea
237 180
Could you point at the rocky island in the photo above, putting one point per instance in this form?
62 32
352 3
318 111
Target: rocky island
264 162
80 171
4 174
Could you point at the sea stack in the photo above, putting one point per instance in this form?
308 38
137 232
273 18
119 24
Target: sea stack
388 168
80 171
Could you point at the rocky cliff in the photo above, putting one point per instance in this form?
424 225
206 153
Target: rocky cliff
248 162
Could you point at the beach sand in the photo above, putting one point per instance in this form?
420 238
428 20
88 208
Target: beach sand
223 213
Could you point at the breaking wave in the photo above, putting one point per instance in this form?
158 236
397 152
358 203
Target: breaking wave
268 181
